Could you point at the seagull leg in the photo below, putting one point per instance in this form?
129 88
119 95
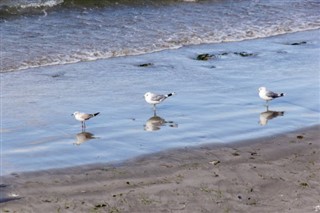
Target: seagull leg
83 125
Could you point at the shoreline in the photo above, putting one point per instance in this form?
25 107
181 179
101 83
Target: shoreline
24 69
269 174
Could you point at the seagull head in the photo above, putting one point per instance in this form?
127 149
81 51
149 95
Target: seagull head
147 94
262 89
75 113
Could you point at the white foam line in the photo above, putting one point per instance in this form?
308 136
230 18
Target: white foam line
51 3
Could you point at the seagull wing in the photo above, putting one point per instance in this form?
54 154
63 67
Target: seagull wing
86 116
272 94
158 98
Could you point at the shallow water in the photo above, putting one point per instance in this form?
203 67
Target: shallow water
217 102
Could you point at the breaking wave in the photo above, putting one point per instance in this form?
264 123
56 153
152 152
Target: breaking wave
103 29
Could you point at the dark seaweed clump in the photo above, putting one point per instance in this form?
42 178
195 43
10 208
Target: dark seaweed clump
204 57
207 56
299 43
243 54
145 65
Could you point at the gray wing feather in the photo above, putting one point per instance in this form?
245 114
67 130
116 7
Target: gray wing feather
158 98
272 94
86 116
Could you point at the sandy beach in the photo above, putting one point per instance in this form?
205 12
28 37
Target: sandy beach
271 174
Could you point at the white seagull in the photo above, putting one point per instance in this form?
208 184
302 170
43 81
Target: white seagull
155 99
268 95
80 116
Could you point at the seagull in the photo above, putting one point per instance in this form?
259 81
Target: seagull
155 99
268 95
80 116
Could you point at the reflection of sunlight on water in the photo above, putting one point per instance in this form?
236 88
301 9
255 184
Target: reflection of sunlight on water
156 122
27 150
83 137
48 139
4 130
268 115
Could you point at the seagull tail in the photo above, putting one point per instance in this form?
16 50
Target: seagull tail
282 94
170 94
95 114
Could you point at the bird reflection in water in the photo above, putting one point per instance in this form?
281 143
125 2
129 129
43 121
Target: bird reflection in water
268 115
83 137
156 122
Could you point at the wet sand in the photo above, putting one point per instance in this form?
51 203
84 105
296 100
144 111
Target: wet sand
271 174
